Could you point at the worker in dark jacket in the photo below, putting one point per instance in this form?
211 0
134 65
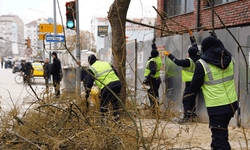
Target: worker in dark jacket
214 74
84 75
56 71
152 76
106 73
188 66
46 72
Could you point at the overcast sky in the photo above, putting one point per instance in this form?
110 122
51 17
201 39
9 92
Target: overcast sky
29 10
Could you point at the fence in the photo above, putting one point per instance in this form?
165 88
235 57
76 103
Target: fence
172 87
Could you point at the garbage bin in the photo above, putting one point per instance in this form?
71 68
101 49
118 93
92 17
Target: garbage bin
69 80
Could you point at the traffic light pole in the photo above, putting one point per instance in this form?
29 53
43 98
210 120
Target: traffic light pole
78 51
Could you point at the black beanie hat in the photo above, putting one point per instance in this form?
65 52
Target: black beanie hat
54 53
208 42
154 52
91 59
192 51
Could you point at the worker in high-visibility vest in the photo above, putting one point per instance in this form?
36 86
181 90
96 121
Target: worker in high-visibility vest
188 65
214 74
152 76
107 74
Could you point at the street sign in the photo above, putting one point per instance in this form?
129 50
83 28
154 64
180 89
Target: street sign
55 38
50 28
29 50
102 31
41 36
50 20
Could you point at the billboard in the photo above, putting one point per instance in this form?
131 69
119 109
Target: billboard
102 31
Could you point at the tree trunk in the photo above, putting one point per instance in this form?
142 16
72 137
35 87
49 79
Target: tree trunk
117 18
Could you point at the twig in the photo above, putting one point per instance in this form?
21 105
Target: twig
28 141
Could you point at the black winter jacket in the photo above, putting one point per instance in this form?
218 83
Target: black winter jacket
56 67
213 55
46 69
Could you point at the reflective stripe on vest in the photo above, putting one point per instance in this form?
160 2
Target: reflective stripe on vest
188 72
103 72
158 63
210 76
218 88
99 74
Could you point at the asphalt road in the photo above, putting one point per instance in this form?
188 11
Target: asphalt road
12 93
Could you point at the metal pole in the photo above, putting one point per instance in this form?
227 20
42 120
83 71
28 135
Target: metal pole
78 51
212 7
135 69
55 31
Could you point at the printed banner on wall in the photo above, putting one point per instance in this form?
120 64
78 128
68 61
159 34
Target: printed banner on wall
14 39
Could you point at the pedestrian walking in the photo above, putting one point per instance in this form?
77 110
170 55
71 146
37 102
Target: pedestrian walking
2 62
152 76
214 74
188 66
46 73
27 71
107 74
56 71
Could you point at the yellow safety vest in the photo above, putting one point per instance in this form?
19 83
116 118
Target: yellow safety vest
158 63
218 88
188 72
104 72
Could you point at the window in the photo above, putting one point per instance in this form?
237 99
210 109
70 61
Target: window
177 7
217 2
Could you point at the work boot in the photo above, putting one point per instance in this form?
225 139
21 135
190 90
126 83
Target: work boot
187 117
185 120
193 117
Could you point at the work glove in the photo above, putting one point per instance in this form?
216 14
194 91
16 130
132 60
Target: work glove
190 33
146 81
166 53
192 38
213 34
87 94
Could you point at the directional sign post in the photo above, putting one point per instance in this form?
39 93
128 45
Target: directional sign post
54 38
41 36
50 28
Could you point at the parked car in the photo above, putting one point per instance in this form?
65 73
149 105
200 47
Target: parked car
17 67
38 69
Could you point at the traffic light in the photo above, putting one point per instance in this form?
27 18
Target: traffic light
27 42
70 14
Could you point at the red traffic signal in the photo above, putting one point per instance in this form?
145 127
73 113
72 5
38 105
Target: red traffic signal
27 42
70 14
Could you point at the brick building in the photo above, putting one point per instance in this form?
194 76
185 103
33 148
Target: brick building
197 13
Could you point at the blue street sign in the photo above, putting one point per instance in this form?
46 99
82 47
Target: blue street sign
50 20
55 38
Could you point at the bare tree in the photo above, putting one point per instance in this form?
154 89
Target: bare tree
117 18
87 40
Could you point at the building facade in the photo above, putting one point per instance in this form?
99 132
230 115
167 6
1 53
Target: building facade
12 35
181 15
132 31
95 22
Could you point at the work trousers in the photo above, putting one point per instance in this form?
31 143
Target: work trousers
56 83
26 78
107 97
219 128
153 91
189 97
